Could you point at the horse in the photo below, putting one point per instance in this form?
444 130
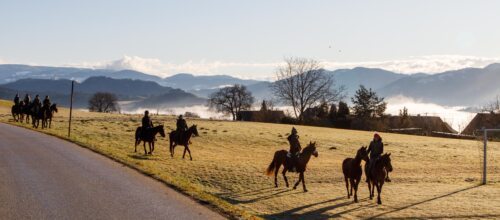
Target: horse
47 116
376 176
26 111
281 158
36 115
351 167
148 136
16 111
184 140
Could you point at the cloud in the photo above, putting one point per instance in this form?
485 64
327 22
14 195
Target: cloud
422 64
265 70
453 115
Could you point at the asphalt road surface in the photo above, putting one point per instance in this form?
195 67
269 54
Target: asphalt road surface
43 177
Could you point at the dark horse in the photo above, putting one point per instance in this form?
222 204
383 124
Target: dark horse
37 114
184 140
17 111
148 136
281 158
47 115
376 176
351 167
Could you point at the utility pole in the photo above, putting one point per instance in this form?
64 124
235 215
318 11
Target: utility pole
71 108
485 143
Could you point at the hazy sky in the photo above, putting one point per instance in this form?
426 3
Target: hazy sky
249 38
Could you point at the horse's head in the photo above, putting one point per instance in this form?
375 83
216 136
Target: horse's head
362 153
311 149
53 107
386 161
161 130
194 129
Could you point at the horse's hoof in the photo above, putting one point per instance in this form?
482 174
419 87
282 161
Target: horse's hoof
276 186
379 202
305 190
191 159
294 187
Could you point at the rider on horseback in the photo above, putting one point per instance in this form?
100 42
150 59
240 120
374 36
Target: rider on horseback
181 127
36 103
46 103
295 148
146 121
27 99
16 100
376 149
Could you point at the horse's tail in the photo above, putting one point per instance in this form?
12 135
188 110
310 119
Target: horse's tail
272 166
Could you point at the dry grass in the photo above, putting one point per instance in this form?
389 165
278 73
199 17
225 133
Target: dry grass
432 178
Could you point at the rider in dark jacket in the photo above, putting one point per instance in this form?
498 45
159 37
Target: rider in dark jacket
376 149
181 126
27 99
16 100
295 148
146 121
36 103
46 103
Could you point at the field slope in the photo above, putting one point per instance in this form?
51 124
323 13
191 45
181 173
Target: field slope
432 178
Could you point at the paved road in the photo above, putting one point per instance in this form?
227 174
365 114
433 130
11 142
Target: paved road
42 177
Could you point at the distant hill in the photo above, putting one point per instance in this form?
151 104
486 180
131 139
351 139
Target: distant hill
125 89
464 87
369 77
191 82
14 72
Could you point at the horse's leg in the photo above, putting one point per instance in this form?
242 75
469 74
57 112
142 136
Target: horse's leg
144 145
284 176
303 181
298 181
347 186
184 154
150 144
370 189
351 181
189 151
276 170
379 190
356 189
135 145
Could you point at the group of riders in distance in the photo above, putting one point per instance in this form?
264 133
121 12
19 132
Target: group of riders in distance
37 110
377 164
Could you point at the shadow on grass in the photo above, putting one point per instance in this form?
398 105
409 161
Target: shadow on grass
425 201
140 157
280 193
320 213
247 193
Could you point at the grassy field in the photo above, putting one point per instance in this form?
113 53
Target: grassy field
432 178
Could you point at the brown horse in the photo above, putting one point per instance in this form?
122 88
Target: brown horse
281 158
376 176
148 136
183 140
351 167
47 116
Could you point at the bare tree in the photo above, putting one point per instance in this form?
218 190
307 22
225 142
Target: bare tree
231 100
493 106
103 102
303 83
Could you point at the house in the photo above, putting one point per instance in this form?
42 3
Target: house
480 121
261 116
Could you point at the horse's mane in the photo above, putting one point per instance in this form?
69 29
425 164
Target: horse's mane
310 148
